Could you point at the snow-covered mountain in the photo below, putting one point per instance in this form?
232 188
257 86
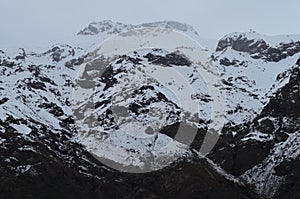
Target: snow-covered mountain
256 156
256 141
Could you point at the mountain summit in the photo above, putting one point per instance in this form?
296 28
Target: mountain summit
111 27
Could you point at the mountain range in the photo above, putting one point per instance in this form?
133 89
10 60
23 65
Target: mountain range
43 154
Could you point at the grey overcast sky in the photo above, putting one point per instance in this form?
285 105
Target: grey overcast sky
35 21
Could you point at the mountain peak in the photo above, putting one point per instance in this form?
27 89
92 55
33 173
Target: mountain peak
107 26
111 27
246 38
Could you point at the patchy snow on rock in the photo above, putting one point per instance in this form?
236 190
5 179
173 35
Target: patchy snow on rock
263 176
